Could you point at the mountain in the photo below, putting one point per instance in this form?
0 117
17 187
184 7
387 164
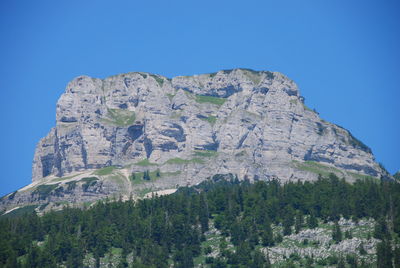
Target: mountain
136 133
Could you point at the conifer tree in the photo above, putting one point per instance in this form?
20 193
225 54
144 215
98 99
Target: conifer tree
258 260
384 254
298 222
203 213
267 236
396 257
146 176
337 233
312 221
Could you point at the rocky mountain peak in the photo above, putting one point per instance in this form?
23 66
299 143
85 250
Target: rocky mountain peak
138 132
254 123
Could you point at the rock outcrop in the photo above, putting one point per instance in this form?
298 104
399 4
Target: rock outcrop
182 130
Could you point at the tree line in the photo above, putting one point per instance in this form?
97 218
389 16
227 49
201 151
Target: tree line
167 230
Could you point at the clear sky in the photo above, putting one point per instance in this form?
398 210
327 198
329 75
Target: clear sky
343 54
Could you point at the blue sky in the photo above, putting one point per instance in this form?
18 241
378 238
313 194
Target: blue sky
344 55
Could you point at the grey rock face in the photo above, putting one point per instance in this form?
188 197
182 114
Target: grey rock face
134 134
252 124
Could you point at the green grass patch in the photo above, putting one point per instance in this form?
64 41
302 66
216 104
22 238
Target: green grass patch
170 96
210 99
158 79
44 190
145 163
324 170
316 167
253 76
104 171
143 75
180 161
138 177
210 119
119 117
177 161
205 153
119 179
89 179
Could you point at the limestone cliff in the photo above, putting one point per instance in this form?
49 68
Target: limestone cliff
182 130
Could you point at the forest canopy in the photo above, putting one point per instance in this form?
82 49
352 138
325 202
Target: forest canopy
167 230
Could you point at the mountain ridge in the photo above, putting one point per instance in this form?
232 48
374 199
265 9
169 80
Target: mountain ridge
139 132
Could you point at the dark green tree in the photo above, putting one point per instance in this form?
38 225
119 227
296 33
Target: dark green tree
203 213
337 233
312 221
288 222
267 236
384 254
381 230
299 221
258 260
146 175
341 263
396 257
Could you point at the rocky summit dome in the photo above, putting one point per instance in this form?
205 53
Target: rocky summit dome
248 124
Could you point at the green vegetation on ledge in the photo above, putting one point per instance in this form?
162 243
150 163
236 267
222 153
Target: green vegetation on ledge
44 190
104 171
140 177
325 170
316 167
145 162
210 119
205 153
170 96
254 76
180 161
210 99
158 79
119 117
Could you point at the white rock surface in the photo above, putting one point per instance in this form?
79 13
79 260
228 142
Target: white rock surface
249 124
259 128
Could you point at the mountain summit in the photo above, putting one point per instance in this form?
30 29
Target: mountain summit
135 133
